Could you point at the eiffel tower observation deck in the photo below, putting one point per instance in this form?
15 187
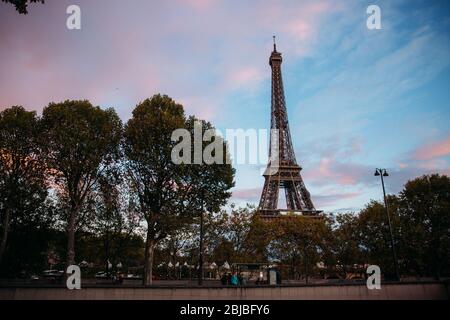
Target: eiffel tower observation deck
283 172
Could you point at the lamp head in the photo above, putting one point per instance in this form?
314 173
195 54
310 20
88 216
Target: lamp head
377 173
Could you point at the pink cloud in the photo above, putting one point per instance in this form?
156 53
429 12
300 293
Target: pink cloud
331 171
328 200
301 29
304 27
433 164
403 165
246 74
199 4
433 150
198 56
251 194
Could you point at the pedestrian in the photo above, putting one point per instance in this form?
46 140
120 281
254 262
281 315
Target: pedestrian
240 279
234 279
223 279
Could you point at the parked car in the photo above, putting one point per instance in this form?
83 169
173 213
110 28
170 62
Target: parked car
52 274
102 275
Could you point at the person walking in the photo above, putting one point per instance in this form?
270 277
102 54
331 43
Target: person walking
234 279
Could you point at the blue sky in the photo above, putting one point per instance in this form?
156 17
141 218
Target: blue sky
357 98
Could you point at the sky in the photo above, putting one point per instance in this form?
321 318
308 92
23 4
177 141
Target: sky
357 99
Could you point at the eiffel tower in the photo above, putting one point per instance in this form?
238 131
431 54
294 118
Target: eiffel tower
282 170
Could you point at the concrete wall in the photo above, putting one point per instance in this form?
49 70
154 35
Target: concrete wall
335 292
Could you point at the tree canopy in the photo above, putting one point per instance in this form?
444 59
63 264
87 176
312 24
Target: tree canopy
22 5
23 187
169 194
78 142
76 178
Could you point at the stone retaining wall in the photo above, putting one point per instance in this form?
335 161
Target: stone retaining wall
399 291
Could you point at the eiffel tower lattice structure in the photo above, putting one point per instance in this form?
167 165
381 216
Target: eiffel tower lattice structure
282 171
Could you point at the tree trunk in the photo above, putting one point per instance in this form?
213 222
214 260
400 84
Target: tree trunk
107 252
6 222
306 267
71 238
148 265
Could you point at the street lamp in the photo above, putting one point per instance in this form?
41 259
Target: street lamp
383 173
200 266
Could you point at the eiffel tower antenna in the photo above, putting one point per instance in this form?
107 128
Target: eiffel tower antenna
285 174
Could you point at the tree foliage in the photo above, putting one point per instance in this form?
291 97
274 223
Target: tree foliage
169 195
22 181
424 213
22 5
79 141
76 168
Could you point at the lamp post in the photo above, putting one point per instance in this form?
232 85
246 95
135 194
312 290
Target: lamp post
200 266
383 173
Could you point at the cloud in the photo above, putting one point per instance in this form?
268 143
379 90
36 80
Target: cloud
198 4
434 150
248 77
249 195
196 50
330 200
341 80
329 167
330 170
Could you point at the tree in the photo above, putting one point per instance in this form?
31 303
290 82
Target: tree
153 176
22 181
226 234
31 234
115 220
211 180
238 227
22 5
373 233
169 195
344 242
257 240
425 219
298 238
79 141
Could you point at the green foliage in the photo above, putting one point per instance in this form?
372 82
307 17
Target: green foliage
79 141
77 138
425 218
147 147
210 182
75 168
298 240
22 5
341 249
113 221
23 189
373 233
168 195
226 235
